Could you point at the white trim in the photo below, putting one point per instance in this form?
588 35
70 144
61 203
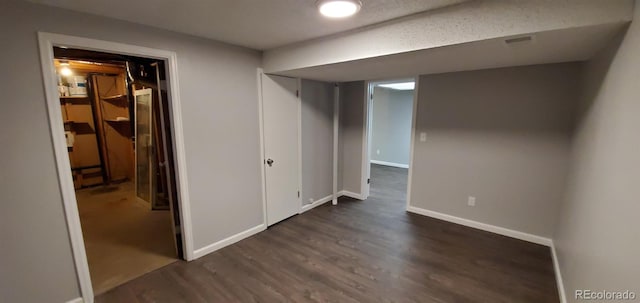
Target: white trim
76 300
556 269
350 194
336 140
299 97
365 169
482 226
62 164
367 134
228 241
316 203
385 163
180 154
414 119
262 158
46 42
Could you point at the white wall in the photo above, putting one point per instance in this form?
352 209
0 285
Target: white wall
598 228
218 90
391 125
317 140
501 135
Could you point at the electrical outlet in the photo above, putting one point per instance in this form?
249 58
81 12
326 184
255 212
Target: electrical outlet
310 200
471 201
377 151
423 137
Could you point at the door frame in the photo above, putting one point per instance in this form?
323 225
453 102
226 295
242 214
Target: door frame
263 173
46 42
367 133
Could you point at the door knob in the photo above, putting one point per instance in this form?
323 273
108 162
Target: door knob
270 162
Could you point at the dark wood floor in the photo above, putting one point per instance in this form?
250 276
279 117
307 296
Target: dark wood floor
358 251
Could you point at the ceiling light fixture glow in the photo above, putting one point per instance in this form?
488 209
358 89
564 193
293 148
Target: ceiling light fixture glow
65 71
338 8
399 86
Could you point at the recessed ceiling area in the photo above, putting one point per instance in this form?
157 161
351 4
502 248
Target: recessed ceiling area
257 24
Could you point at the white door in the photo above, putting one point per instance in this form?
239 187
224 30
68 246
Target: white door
280 117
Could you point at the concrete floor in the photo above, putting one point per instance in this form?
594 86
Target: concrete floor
123 238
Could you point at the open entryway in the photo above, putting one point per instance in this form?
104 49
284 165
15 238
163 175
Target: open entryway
389 110
115 113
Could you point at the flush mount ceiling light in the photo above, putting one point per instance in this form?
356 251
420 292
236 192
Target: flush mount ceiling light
338 8
399 86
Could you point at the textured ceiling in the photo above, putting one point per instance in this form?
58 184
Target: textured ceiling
564 45
258 24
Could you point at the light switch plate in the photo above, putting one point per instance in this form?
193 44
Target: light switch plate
423 137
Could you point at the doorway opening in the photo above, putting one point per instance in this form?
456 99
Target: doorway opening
115 111
389 112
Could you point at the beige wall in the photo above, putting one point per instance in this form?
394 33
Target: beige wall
317 140
501 135
218 90
598 232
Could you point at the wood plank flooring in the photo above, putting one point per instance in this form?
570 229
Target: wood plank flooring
358 251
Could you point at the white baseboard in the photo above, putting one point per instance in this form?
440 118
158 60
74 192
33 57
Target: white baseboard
317 203
76 300
482 226
556 269
385 163
350 194
228 241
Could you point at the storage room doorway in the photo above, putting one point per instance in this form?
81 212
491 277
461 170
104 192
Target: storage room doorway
115 111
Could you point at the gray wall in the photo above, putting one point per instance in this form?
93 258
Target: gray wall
501 135
391 125
219 97
350 136
317 140
598 228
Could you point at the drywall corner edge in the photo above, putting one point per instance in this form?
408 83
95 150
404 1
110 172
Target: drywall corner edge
350 194
556 270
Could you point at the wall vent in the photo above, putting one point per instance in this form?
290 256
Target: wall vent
518 39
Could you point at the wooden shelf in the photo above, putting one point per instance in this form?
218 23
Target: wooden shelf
74 97
80 128
123 127
117 100
75 100
115 97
